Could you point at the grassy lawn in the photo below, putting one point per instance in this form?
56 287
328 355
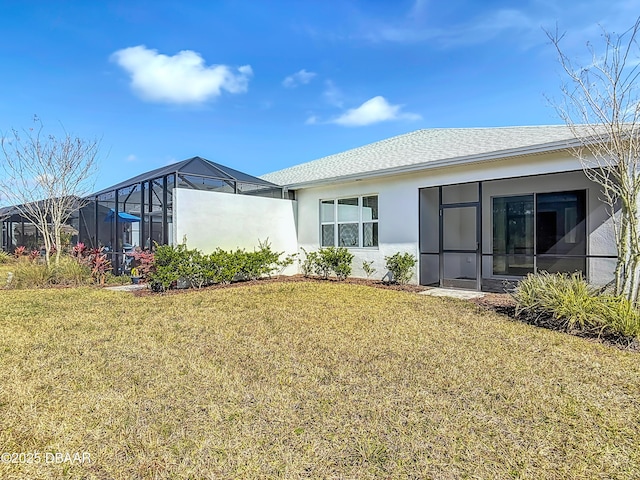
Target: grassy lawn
306 380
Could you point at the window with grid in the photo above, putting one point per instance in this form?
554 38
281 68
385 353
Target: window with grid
349 222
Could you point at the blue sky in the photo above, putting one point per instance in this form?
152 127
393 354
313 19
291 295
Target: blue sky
261 86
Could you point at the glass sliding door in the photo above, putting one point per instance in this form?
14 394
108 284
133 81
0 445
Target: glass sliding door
561 231
513 235
544 231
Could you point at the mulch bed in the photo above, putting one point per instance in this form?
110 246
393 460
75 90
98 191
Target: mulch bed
505 304
292 278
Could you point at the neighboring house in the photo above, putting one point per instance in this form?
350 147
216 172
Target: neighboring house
476 206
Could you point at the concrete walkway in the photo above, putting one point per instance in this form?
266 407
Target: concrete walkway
450 292
127 288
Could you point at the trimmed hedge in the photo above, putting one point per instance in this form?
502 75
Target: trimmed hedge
174 265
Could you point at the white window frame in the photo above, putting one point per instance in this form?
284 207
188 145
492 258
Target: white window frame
360 222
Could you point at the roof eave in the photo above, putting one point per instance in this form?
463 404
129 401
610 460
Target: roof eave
448 162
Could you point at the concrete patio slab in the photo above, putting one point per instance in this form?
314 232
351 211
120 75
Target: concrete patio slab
127 288
449 292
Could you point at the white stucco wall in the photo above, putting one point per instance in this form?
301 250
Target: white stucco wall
212 219
398 203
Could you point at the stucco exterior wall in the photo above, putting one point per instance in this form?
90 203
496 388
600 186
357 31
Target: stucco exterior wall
211 219
398 204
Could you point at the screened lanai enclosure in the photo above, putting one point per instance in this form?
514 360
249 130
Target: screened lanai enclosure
18 230
479 235
139 212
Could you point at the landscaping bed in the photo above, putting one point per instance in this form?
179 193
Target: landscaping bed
295 278
505 304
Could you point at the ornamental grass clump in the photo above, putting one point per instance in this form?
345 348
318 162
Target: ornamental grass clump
82 266
4 257
30 273
622 316
574 305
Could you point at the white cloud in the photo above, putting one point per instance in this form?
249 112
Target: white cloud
299 78
183 78
312 120
372 111
131 158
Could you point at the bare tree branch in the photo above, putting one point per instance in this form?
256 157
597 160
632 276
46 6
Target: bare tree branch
46 178
601 106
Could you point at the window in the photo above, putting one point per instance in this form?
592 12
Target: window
558 241
349 222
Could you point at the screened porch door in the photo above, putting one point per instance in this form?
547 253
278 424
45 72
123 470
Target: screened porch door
460 246
450 241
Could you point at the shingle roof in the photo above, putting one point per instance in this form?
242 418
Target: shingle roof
194 166
424 149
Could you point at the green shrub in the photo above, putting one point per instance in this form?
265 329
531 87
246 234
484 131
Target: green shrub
222 266
259 263
327 260
367 268
339 259
322 265
401 267
169 263
307 265
570 300
178 263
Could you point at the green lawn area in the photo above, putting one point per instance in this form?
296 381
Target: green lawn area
306 380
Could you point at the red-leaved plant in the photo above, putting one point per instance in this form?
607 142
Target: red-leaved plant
94 258
100 265
144 262
79 250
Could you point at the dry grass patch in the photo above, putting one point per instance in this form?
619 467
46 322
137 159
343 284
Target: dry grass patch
313 380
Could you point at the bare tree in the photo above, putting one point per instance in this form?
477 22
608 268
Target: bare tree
45 177
601 105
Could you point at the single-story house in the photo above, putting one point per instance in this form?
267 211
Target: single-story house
476 206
